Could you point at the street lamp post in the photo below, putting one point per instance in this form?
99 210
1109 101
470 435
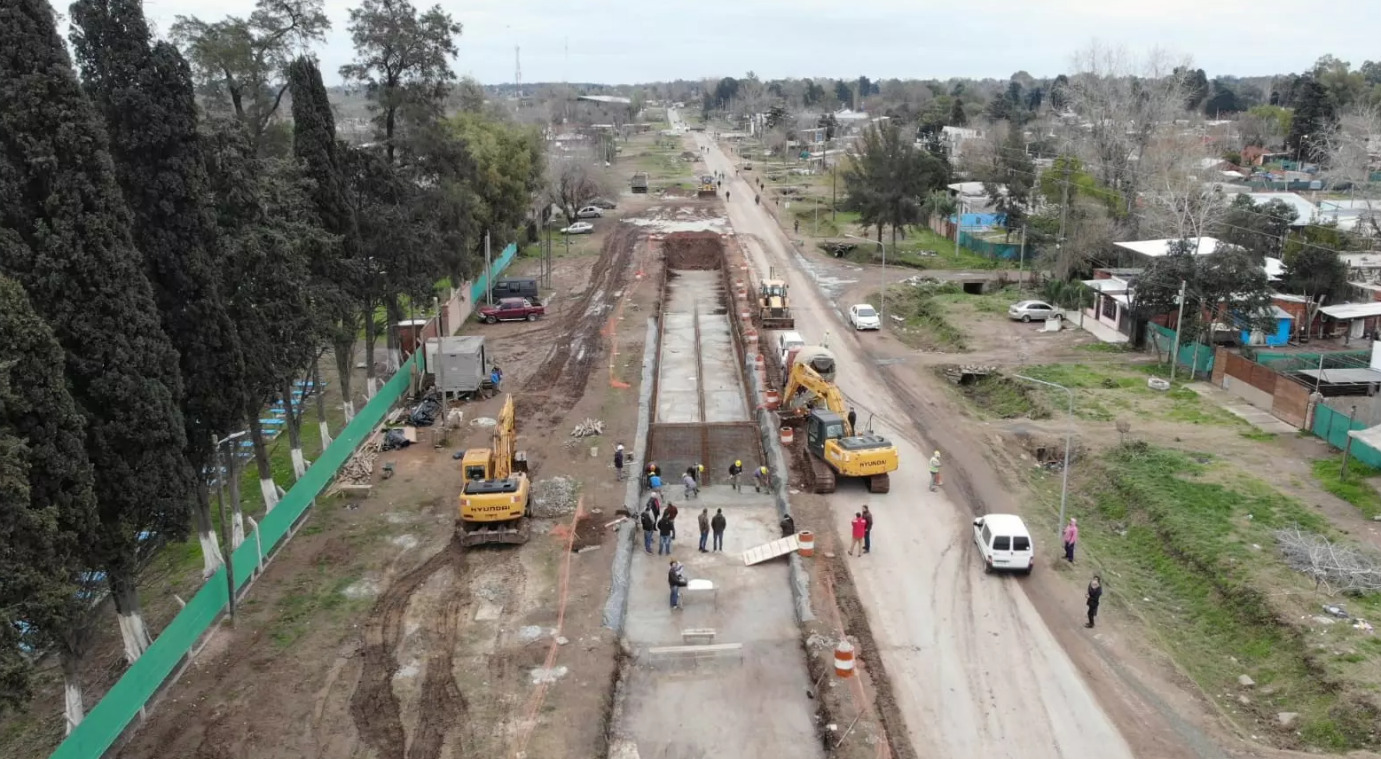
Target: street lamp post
1069 435
224 470
882 311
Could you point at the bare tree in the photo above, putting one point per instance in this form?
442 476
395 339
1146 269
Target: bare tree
1352 153
574 183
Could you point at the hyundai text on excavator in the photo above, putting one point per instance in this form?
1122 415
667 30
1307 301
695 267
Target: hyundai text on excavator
495 504
832 448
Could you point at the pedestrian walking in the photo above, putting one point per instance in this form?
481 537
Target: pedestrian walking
1095 594
649 525
796 227
726 194
867 530
934 471
735 469
853 421
618 461
788 526
671 513
704 520
762 481
1071 537
691 486
664 527
676 578
860 530
756 198
495 378
717 525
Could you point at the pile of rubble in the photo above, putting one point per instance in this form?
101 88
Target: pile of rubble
965 373
358 472
588 428
554 497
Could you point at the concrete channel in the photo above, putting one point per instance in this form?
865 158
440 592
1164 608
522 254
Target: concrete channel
725 675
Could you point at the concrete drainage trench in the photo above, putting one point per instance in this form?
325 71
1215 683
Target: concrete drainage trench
725 675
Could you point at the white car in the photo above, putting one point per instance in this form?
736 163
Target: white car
1032 309
1004 543
864 316
589 212
578 228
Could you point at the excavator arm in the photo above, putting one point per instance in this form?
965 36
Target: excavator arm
505 440
807 383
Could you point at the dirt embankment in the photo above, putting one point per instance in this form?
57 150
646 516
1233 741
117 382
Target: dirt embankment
690 251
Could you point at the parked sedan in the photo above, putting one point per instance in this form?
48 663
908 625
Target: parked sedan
578 228
512 309
604 203
864 316
1032 309
589 212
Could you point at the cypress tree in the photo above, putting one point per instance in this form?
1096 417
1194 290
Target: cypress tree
48 519
145 94
339 274
78 264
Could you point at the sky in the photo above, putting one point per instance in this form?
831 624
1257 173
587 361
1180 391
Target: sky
621 42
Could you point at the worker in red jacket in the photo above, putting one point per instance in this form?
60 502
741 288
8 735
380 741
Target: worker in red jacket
860 529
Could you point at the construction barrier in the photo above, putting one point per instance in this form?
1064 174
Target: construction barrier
807 540
788 436
844 659
131 693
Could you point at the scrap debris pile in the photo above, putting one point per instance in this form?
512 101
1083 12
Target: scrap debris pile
1335 567
359 470
424 414
588 428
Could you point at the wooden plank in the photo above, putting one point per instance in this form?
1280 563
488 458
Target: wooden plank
778 547
711 648
698 632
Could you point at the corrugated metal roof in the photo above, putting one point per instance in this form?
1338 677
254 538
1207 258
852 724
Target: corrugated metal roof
1156 248
1344 376
1352 310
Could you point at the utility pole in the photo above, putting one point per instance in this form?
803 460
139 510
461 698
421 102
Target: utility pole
1021 261
488 271
958 226
1175 352
1347 447
1064 203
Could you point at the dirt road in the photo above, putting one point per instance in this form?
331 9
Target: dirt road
973 665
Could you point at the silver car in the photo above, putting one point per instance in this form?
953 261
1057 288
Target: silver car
1032 309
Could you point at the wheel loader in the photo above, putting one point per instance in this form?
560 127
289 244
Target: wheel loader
774 309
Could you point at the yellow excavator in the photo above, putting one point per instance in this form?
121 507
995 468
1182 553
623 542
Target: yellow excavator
496 502
832 447
774 310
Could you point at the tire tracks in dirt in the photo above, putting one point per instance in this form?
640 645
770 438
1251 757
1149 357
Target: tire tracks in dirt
559 382
374 705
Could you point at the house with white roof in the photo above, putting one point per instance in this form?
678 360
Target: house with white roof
1305 212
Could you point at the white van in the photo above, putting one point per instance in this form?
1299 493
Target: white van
786 341
1004 543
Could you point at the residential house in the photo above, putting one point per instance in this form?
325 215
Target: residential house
1112 305
954 138
1284 326
1305 212
1362 216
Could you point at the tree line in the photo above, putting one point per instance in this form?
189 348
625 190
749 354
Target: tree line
183 237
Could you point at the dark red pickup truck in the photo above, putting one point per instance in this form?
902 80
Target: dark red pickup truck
512 309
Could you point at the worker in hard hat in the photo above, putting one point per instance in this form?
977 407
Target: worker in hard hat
762 481
735 469
934 471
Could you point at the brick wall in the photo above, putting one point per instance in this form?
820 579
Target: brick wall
677 446
1262 387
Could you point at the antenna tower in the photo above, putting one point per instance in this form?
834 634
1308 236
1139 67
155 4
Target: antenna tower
518 69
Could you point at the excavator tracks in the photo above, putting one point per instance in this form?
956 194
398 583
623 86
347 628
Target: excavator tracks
880 483
822 478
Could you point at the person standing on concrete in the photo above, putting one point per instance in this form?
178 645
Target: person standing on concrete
691 486
1095 594
649 525
664 528
867 530
654 483
704 520
717 525
735 469
934 471
618 461
652 469
676 578
853 421
860 530
699 474
671 513
788 526
1071 537
762 481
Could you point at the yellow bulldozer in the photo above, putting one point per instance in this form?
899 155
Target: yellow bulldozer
707 187
774 309
833 449
495 505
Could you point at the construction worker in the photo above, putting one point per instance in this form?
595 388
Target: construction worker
735 469
934 471
692 488
619 459
853 421
699 472
788 526
762 481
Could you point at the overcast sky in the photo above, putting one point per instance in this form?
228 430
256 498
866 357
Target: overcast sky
621 42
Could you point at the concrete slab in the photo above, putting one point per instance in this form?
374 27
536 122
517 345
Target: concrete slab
728 708
1259 418
695 321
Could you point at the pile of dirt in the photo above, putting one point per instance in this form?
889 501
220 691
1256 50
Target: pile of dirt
554 497
693 250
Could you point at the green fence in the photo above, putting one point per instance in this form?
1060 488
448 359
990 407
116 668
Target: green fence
496 267
1197 357
983 247
108 719
1333 425
1292 362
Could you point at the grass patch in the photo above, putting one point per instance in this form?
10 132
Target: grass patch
1193 557
1355 489
322 591
1002 397
924 322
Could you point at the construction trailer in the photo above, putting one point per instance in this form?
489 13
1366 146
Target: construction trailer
638 183
459 365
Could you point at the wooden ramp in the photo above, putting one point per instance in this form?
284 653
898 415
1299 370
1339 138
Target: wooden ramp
778 547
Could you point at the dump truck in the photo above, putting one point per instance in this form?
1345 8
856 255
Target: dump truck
495 504
638 183
707 187
832 448
774 309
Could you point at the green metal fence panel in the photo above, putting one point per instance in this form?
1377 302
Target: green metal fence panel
1285 362
496 267
120 705
1332 425
1195 356
990 249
